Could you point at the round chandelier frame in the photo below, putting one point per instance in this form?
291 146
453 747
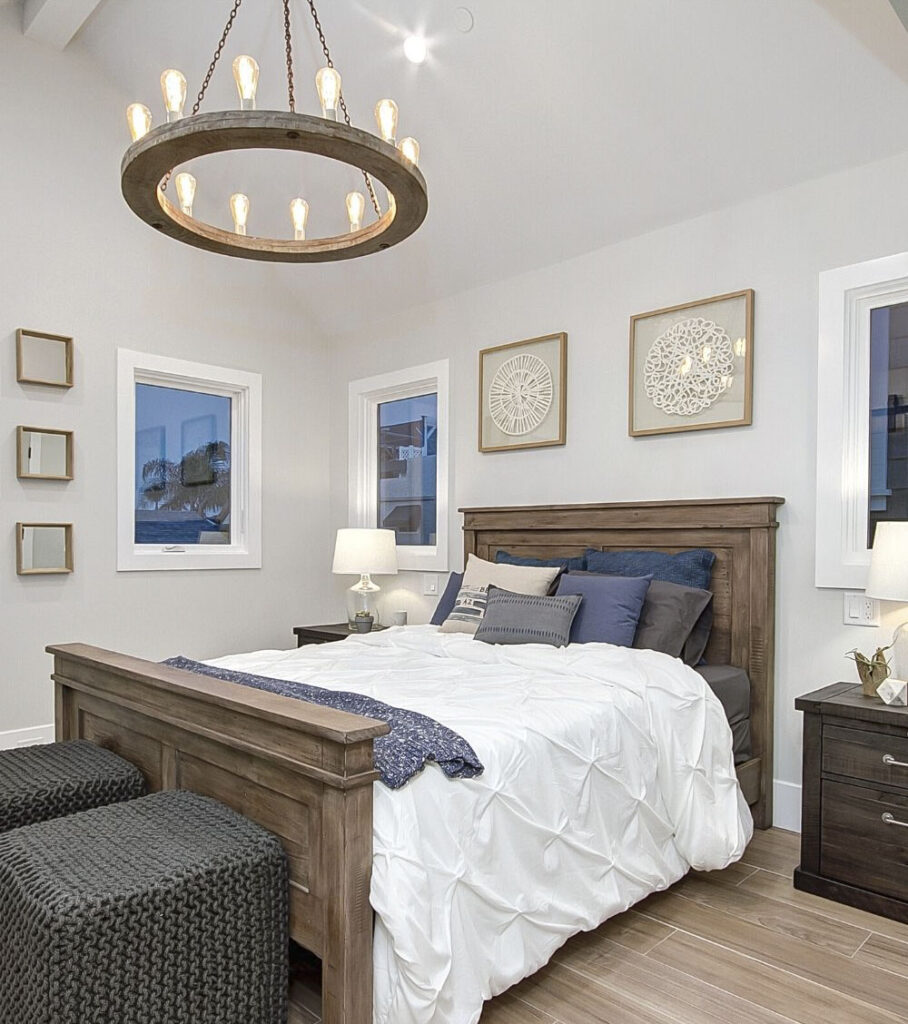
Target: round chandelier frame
148 163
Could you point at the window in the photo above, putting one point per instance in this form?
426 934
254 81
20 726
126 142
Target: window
189 465
862 417
399 461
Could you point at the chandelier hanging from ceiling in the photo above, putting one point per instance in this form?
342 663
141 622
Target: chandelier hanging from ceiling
165 200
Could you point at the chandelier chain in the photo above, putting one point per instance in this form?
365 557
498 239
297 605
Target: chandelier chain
288 39
217 56
343 105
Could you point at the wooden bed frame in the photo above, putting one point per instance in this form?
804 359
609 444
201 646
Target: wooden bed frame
305 772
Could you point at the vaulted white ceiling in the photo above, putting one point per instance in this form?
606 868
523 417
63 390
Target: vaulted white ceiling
550 129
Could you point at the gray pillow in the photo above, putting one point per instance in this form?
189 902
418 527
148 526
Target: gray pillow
527 619
675 620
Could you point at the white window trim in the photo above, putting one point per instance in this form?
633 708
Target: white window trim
847 296
245 389
365 397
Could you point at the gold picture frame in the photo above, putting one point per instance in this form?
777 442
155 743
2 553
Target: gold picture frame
25 376
523 393
671 389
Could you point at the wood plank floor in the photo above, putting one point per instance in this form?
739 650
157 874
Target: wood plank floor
739 946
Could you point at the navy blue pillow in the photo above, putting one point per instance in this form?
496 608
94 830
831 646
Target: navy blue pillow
569 564
448 599
610 609
692 568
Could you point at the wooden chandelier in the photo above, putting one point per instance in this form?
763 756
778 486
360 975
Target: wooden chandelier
156 153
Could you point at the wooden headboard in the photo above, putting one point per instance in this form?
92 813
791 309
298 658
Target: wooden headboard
741 532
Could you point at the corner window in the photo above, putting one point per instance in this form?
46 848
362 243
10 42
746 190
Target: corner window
399 461
189 465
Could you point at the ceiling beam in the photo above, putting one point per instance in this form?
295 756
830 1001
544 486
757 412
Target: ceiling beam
56 22
901 9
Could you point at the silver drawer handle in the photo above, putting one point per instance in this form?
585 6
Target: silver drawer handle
888 819
890 760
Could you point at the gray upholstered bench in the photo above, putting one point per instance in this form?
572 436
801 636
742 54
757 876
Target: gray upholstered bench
171 908
37 783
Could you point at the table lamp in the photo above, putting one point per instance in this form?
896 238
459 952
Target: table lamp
888 580
363 552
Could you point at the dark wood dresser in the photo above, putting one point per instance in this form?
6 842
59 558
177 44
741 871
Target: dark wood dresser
854 825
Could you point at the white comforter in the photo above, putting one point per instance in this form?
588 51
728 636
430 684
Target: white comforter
608 773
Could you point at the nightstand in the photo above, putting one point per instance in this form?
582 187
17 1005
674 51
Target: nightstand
854 827
325 634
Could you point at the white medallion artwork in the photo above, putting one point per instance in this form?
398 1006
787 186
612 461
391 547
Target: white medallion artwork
689 367
520 394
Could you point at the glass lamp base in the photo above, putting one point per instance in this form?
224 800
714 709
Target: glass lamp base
362 605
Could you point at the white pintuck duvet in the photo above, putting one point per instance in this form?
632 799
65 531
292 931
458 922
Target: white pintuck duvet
608 773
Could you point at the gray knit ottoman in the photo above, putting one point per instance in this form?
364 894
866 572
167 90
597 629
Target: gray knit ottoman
171 909
37 783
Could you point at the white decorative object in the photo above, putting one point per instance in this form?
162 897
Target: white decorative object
894 692
689 366
520 394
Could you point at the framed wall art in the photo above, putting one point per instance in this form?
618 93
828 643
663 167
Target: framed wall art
691 366
45 359
523 394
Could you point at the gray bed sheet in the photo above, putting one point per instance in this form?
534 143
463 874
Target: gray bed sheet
732 686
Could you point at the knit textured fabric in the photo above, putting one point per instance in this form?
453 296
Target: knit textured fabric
50 781
171 908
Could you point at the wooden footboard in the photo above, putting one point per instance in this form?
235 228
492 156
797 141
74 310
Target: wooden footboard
300 770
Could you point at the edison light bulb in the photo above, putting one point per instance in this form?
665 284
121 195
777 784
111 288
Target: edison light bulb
356 205
685 367
138 117
299 214
328 84
239 208
386 119
410 149
741 347
246 76
185 184
173 88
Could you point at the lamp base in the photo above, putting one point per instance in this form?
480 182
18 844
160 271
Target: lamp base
362 605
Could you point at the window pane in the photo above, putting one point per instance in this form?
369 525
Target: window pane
888 415
407 468
182 481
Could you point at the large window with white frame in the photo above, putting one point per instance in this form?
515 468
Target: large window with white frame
862 417
398 466
188 465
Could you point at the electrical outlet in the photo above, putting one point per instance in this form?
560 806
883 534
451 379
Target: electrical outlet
861 610
430 584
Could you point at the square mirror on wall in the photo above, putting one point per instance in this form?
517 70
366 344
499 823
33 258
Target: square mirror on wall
44 359
43 453
44 548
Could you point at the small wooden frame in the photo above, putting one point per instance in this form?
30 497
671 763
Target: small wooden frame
21 462
559 396
66 563
741 364
22 338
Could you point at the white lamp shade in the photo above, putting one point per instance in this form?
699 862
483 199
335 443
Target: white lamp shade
365 551
888 576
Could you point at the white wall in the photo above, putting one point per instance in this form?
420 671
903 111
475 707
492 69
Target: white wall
776 245
74 260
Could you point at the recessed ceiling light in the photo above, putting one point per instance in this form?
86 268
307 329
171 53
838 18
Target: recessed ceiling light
415 49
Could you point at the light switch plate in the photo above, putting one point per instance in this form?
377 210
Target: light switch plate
861 610
430 584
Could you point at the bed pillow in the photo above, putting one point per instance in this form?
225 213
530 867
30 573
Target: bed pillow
611 607
527 619
479 575
695 645
573 563
691 568
446 602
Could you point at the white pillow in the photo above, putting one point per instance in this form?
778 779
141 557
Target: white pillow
479 575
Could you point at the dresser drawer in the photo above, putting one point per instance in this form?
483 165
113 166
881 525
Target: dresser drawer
866 755
860 842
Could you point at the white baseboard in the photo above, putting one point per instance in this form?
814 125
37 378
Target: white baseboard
26 737
786 801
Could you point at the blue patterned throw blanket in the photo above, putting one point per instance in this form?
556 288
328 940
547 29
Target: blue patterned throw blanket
401 754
